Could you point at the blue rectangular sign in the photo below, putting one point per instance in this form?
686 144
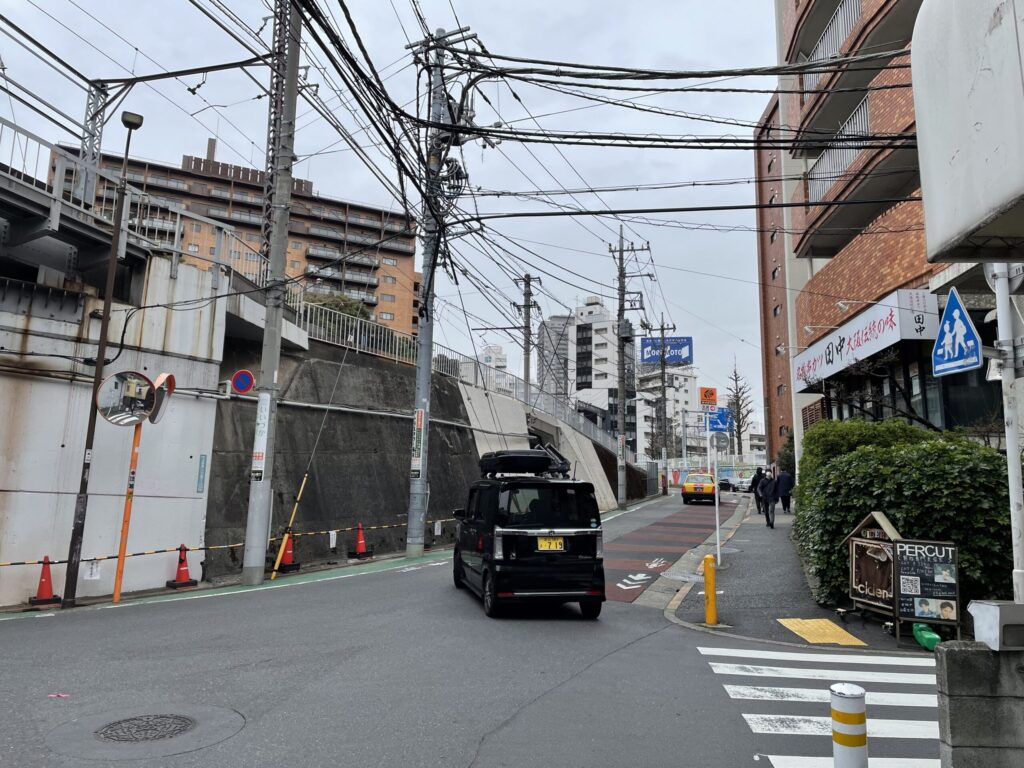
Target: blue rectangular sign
720 421
678 350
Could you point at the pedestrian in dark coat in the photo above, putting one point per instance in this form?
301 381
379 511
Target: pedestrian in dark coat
769 497
785 489
755 488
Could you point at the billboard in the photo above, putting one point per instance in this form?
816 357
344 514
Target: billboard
678 350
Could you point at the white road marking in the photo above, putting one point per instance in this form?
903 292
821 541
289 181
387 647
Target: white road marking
624 585
823 658
844 675
822 726
822 696
639 577
792 761
656 563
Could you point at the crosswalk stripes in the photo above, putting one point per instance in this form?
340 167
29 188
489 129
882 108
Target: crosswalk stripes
901 700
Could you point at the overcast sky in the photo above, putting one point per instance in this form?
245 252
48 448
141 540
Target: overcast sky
718 309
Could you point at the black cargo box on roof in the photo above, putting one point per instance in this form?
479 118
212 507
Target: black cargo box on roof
520 462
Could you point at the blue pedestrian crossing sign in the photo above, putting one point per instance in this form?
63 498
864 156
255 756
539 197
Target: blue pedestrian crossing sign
957 346
720 421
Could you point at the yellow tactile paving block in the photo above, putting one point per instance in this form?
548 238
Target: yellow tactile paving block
820 631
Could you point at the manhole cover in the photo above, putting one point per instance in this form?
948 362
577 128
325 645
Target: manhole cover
144 733
133 730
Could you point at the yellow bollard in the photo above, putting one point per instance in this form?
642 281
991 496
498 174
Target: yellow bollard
710 595
849 726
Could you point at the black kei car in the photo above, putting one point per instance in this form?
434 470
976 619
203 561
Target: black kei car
529 533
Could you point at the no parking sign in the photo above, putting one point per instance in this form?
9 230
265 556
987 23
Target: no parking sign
243 381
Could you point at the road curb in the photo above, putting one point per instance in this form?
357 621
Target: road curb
695 576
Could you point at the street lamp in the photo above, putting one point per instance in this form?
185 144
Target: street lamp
132 122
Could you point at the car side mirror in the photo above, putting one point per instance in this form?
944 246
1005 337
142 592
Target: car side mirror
459 514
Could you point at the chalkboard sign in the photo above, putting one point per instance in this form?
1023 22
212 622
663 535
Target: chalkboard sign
926 581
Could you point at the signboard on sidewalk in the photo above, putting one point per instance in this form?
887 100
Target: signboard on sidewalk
871 563
927 581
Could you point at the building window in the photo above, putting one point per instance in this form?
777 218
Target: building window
387 297
781 389
193 248
783 431
390 279
293 264
771 162
600 330
252 237
390 262
296 244
248 256
598 376
771 200
774 234
601 361
775 273
601 345
386 316
777 310
213 251
197 227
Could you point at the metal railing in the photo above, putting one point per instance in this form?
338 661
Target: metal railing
831 41
333 327
150 221
837 159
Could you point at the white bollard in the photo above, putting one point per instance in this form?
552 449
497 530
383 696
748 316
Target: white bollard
849 727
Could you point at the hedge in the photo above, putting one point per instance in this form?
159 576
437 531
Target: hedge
944 489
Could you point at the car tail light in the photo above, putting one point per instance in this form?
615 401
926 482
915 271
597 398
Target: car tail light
499 547
595 593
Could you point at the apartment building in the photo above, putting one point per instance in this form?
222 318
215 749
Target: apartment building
847 317
597 377
556 356
335 248
682 406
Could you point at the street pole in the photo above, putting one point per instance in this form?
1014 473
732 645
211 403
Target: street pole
283 95
718 521
620 332
1004 318
527 305
132 122
419 486
686 418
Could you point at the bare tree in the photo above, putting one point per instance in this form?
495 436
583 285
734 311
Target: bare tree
741 406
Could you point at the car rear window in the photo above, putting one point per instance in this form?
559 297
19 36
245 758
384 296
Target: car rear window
699 479
549 507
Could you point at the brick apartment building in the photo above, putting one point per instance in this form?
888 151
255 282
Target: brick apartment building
848 318
332 244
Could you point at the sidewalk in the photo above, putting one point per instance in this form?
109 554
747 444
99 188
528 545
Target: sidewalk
761 581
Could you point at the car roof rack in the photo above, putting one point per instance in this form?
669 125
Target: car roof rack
539 462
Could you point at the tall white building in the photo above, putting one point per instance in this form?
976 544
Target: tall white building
682 402
490 370
597 359
556 356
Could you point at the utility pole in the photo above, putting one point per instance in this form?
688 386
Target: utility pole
284 91
419 486
663 415
527 305
624 333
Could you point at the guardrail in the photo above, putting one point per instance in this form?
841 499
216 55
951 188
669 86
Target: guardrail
831 41
333 327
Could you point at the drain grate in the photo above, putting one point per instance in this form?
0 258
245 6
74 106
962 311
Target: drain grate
143 728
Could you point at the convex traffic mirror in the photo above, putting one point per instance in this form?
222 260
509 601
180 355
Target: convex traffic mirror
126 398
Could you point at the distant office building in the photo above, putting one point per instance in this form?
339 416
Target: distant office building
556 356
682 404
597 377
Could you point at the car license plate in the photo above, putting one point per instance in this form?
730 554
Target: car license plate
699 489
550 544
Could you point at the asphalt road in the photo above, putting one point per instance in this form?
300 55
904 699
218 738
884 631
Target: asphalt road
398 668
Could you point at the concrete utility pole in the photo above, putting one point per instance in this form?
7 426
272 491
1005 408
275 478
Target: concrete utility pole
527 305
623 333
419 486
284 91
664 406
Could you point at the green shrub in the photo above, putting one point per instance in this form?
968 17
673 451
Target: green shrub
786 459
942 489
828 440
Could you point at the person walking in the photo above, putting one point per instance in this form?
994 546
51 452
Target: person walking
769 497
755 488
785 489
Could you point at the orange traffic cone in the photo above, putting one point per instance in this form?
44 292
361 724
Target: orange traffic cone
361 552
288 564
44 592
182 578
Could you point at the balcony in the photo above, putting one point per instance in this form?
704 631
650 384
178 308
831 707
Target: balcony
319 252
345 276
837 159
353 293
856 26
